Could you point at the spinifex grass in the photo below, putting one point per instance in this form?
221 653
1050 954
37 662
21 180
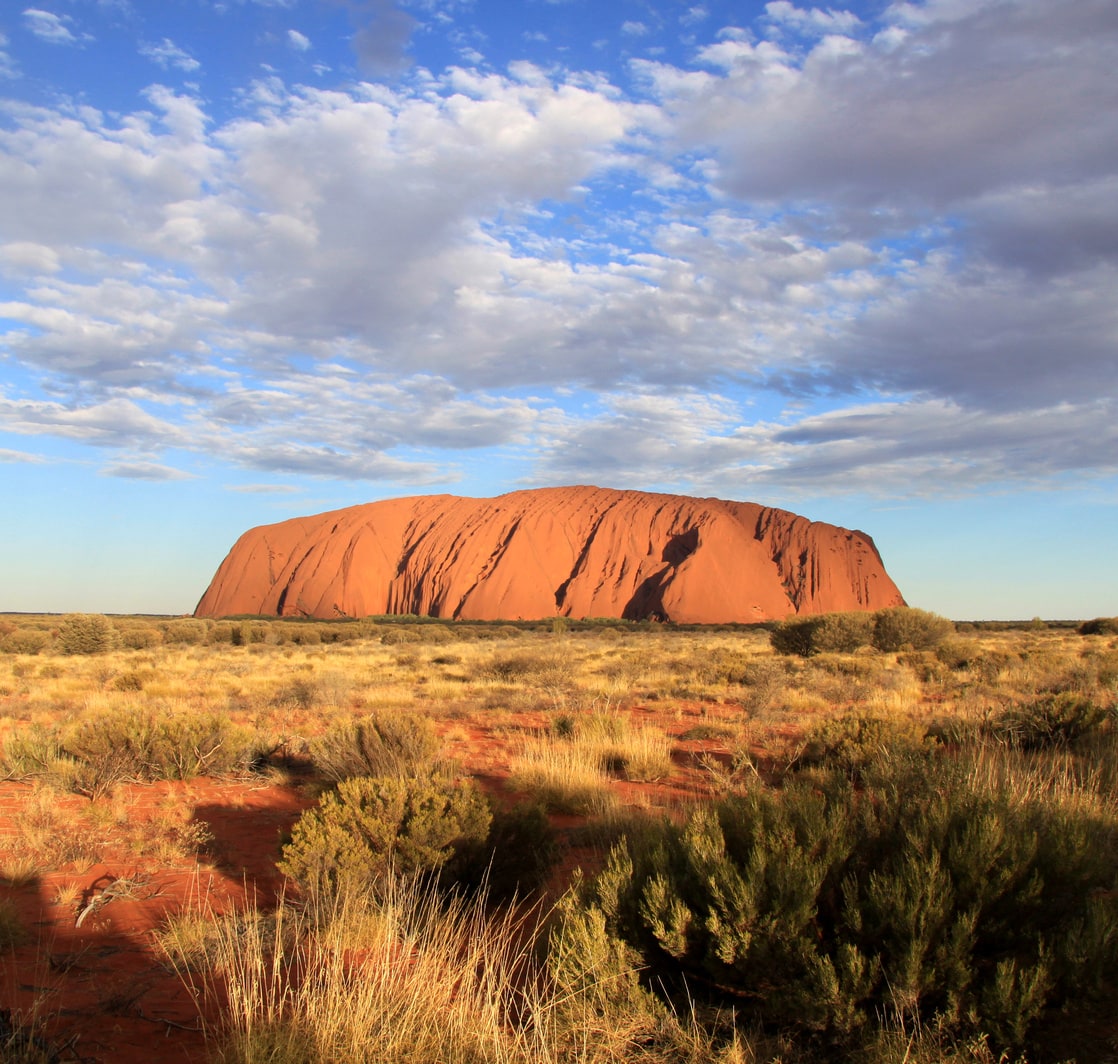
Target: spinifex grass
416 978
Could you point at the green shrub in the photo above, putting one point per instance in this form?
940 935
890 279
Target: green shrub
924 895
381 744
904 626
1099 626
372 828
856 740
87 633
843 633
123 743
795 636
836 633
1053 720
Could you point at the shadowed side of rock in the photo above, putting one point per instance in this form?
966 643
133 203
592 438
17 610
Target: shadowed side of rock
575 552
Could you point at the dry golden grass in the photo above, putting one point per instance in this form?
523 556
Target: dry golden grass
412 979
576 717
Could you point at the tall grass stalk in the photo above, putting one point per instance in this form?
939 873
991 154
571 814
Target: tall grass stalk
413 978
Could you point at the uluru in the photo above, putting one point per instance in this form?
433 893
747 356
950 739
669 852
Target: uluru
572 552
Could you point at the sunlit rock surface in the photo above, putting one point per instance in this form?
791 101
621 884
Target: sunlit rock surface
574 552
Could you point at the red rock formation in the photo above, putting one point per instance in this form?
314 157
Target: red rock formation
575 552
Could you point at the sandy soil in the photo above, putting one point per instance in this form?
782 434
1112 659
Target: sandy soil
90 963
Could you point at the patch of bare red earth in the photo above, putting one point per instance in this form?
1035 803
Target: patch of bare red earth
90 965
105 989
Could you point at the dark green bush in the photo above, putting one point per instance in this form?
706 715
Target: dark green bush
381 744
370 828
87 633
1099 626
835 633
1053 720
857 740
795 636
921 895
904 626
843 633
518 854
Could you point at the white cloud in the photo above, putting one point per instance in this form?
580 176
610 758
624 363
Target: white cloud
634 29
117 423
169 55
358 283
142 470
813 20
7 455
912 449
978 96
300 42
27 257
52 28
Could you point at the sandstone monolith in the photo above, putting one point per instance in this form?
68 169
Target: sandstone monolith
571 552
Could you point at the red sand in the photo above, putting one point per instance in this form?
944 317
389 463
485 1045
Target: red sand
105 988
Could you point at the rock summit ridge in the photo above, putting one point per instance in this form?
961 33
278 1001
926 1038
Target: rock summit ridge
571 551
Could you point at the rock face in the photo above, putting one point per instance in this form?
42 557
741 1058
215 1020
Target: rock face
574 552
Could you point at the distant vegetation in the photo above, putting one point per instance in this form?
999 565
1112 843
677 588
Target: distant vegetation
899 844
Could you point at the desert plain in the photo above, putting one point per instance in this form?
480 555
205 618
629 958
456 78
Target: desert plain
157 900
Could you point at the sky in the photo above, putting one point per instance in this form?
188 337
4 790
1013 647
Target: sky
266 258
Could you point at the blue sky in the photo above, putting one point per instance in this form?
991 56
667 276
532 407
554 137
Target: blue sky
263 258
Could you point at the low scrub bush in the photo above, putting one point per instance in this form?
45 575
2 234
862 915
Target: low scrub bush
25 641
836 633
32 752
544 669
906 627
855 741
926 895
87 633
184 630
413 977
1099 626
381 744
1052 721
566 777
371 829
140 638
127 743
